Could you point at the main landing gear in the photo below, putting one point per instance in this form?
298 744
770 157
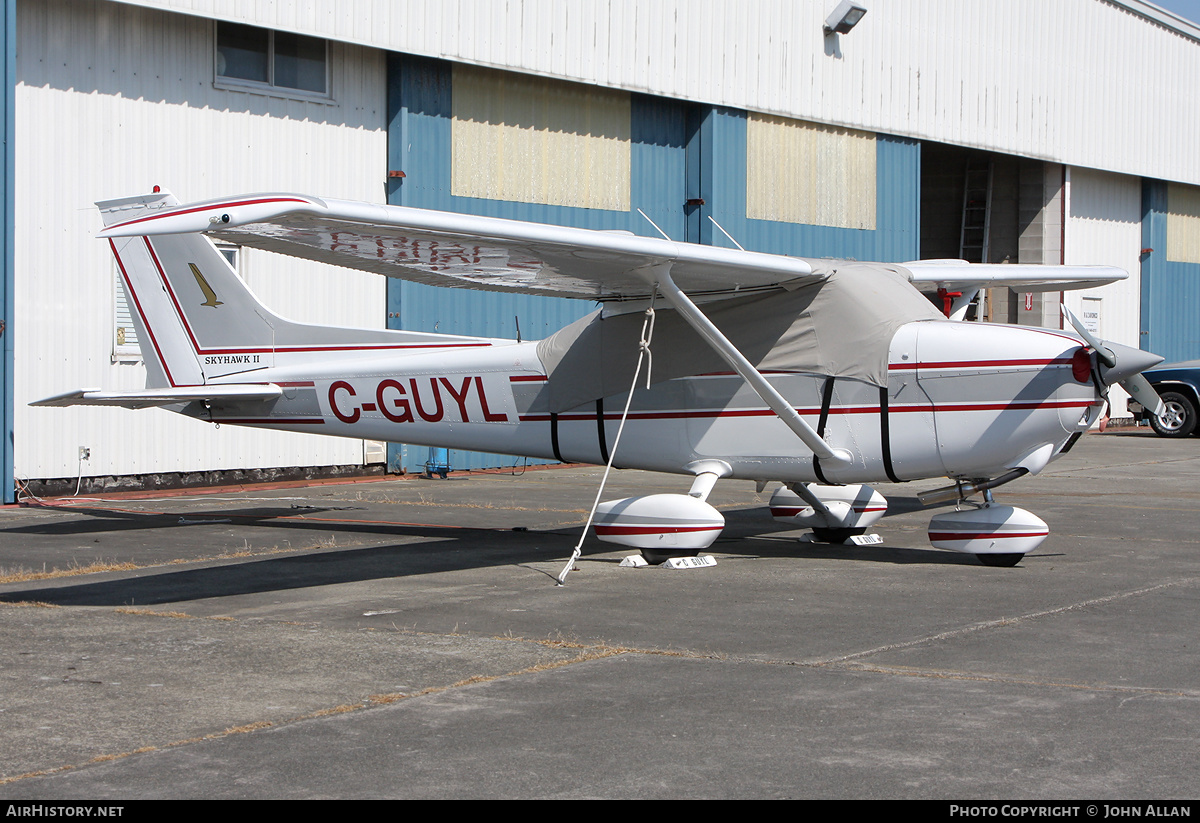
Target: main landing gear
836 514
663 526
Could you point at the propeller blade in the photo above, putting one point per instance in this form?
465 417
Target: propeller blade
1106 355
1140 389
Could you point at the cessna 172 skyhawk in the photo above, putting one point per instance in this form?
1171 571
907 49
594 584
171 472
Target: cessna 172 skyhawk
819 374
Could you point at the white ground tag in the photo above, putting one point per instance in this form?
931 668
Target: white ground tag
701 562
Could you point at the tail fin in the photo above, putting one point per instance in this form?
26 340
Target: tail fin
196 320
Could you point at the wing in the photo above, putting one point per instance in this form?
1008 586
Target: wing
959 275
458 250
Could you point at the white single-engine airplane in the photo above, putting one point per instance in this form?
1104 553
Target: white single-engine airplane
820 374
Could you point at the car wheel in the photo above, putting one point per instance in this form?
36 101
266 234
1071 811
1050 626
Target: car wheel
1178 418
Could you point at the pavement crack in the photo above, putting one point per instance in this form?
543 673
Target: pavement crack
992 624
936 674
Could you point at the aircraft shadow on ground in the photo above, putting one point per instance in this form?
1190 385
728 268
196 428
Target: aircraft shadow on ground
95 520
452 549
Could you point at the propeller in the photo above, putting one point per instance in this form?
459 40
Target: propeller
1122 365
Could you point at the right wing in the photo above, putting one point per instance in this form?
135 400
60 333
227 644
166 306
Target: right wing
959 275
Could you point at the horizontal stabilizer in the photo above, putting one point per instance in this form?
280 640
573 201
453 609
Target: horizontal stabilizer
162 397
959 275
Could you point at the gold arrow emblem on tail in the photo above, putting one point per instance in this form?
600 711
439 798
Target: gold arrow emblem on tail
210 296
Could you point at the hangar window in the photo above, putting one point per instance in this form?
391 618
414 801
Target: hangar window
1183 223
808 173
248 56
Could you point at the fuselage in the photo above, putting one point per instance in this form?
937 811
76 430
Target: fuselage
962 399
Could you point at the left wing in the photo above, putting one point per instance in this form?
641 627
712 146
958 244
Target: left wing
466 251
490 253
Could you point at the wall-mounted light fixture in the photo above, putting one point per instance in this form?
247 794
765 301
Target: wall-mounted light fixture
844 17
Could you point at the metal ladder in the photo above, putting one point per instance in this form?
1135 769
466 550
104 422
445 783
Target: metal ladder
977 211
975 237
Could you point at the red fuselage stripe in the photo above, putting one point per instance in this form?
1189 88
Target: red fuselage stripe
721 413
978 364
982 535
655 529
282 421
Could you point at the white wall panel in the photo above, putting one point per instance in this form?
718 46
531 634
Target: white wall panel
1084 82
1104 227
111 100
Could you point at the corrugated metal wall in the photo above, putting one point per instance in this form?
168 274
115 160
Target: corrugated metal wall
112 99
8 52
1055 81
1104 226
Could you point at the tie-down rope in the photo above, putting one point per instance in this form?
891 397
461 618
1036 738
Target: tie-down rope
644 353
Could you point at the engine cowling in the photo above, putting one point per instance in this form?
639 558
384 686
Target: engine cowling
667 524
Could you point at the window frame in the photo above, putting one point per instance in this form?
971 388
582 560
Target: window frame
123 351
269 87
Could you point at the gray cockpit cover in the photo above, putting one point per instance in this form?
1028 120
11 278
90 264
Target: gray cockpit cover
840 326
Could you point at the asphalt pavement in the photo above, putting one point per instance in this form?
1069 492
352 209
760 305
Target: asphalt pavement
405 638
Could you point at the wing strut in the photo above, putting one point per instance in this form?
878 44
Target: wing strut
661 274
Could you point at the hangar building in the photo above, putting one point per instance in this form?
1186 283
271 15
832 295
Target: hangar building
998 130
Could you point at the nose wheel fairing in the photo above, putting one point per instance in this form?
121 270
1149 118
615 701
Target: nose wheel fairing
989 530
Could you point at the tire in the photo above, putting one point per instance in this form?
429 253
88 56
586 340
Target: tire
1001 561
657 556
836 535
1179 418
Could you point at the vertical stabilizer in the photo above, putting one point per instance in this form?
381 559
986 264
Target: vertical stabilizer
197 321
196 316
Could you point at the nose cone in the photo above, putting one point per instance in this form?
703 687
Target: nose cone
1130 361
